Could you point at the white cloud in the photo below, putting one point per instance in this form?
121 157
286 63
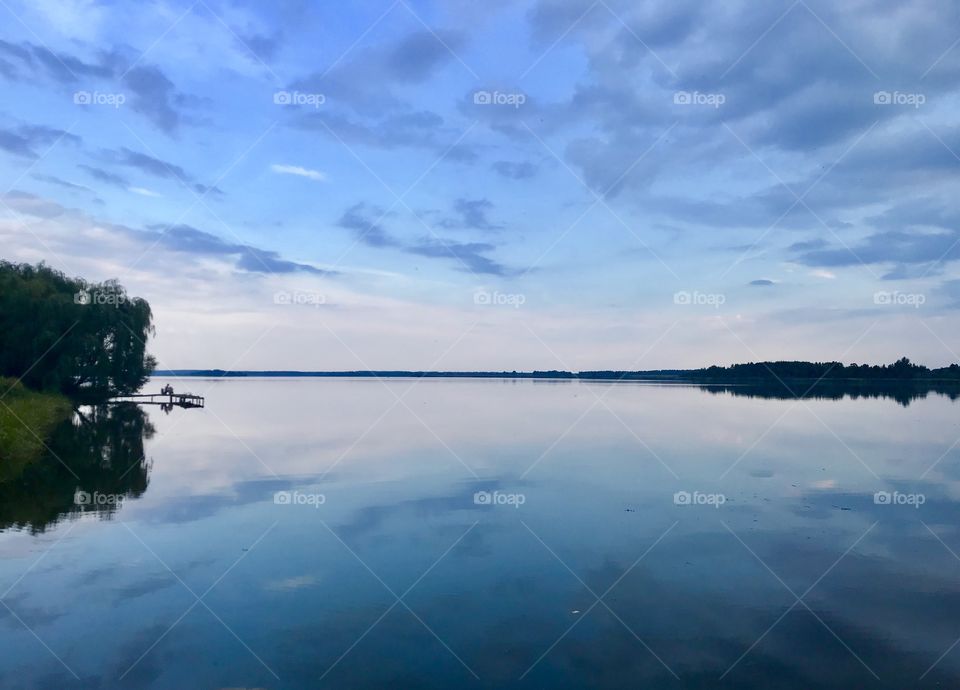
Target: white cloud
143 191
72 19
299 171
292 583
823 273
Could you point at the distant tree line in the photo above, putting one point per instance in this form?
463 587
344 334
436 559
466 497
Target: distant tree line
69 335
366 373
902 369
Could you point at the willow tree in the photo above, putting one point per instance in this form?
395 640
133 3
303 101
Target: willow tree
66 334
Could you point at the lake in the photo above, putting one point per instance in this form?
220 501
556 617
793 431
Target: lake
438 533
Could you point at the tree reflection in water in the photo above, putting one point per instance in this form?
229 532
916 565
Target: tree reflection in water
96 455
903 392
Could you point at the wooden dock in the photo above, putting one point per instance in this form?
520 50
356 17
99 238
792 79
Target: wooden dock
163 399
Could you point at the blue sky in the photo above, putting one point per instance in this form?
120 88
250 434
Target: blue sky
516 185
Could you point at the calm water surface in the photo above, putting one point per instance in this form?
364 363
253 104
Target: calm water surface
302 533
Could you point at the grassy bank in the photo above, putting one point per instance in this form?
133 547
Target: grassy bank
26 420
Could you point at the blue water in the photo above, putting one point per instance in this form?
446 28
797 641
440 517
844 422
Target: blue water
302 533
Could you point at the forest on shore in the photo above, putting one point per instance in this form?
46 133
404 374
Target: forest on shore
63 342
67 335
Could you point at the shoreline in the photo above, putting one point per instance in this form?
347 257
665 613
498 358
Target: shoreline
673 377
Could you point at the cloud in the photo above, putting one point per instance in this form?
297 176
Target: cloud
367 96
68 69
186 238
154 167
363 83
105 176
761 282
515 171
155 97
419 54
18 52
54 180
263 46
148 164
153 94
419 129
7 70
177 238
143 191
62 67
951 290
359 219
26 139
900 247
473 215
291 584
205 190
808 245
365 222
914 236
32 205
298 171
907 271
795 95
469 255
